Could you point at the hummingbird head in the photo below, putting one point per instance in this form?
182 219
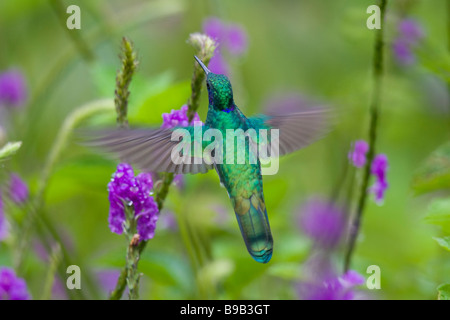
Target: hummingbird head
219 88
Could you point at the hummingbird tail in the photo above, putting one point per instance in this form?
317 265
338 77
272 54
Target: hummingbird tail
253 222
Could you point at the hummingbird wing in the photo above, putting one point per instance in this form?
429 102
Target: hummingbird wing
151 149
296 130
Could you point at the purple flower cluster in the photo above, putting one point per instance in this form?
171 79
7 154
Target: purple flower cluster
332 288
322 221
358 155
127 190
3 223
18 192
231 37
18 189
378 169
11 286
409 34
177 118
13 89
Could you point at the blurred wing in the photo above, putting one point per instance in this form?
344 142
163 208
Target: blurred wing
296 130
149 150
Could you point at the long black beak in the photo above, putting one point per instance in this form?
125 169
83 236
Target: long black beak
202 65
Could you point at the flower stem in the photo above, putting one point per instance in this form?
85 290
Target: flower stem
204 47
133 275
378 61
122 94
55 260
117 293
123 80
133 254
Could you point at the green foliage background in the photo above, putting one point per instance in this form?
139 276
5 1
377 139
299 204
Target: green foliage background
320 49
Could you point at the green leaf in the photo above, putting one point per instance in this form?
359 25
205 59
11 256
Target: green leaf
104 77
439 213
85 174
151 110
443 242
444 291
141 88
9 149
434 174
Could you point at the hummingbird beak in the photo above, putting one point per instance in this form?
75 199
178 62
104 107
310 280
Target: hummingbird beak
202 65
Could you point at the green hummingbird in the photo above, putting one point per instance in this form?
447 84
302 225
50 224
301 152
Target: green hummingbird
151 150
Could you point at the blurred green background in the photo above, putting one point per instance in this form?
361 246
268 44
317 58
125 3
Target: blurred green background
321 50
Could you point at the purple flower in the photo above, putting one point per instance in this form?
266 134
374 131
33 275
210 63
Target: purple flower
107 278
146 219
18 189
403 52
3 223
11 286
127 190
409 34
336 288
232 38
358 155
178 181
352 278
379 166
177 118
332 288
410 30
146 182
378 169
236 40
13 90
59 290
215 28
218 65
322 221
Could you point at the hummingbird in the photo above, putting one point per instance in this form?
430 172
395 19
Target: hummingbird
151 149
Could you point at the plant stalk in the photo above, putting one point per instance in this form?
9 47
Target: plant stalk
378 64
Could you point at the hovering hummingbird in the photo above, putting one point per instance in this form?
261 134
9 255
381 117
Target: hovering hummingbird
151 149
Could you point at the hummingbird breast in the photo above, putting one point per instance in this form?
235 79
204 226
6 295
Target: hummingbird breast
243 181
